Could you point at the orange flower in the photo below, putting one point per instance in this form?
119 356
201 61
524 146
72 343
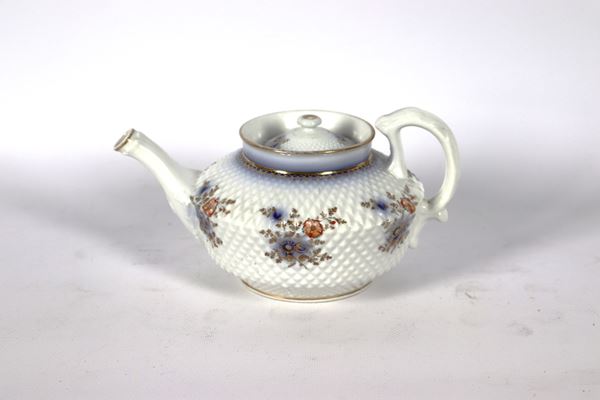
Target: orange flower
210 206
408 205
313 228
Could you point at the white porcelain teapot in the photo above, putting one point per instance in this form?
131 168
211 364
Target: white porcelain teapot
306 210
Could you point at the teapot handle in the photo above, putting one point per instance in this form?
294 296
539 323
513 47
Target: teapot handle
391 125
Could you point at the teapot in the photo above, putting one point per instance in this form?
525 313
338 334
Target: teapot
306 211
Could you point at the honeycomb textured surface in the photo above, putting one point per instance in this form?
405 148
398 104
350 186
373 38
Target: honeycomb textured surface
347 250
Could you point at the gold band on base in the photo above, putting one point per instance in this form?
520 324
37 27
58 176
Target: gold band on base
305 299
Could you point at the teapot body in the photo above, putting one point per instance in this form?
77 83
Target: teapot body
304 237
306 210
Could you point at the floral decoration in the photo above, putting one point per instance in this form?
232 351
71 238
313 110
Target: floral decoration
298 241
208 207
398 212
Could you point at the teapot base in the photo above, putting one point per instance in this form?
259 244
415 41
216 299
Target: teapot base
305 299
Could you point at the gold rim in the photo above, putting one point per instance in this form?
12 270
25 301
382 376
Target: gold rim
124 139
313 152
262 168
305 299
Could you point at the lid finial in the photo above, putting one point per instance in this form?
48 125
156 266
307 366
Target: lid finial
309 121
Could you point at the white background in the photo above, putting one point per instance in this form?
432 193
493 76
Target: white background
104 295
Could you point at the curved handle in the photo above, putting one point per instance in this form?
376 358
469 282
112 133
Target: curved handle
391 125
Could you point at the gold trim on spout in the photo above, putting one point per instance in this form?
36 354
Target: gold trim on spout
124 139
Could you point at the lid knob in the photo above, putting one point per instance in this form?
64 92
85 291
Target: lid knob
309 121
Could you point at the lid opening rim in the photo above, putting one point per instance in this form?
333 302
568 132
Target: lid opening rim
250 142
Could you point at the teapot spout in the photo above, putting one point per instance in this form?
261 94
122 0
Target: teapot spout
177 182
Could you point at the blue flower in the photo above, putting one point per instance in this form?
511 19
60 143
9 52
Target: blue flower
381 205
277 214
397 232
205 186
292 248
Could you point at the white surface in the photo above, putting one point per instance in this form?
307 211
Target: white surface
104 295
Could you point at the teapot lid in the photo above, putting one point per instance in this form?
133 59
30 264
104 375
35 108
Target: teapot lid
309 136
307 141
